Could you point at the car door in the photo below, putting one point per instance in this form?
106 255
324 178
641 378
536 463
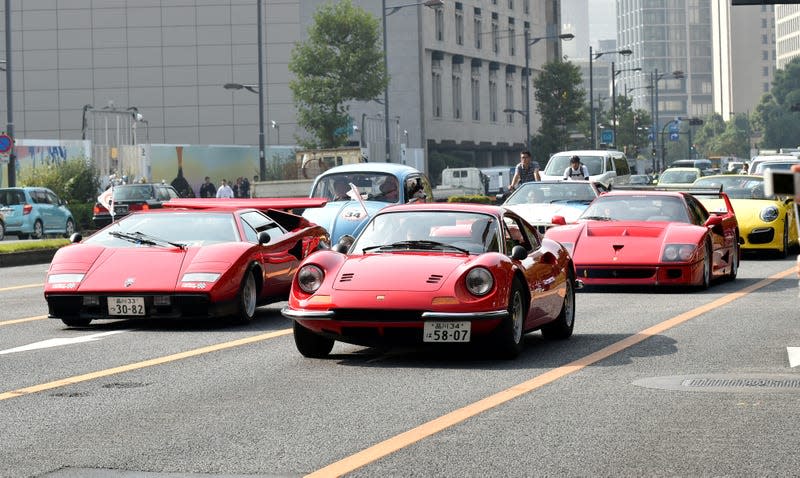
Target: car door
44 208
58 213
279 257
536 272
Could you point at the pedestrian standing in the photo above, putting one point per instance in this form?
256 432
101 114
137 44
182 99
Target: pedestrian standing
527 170
224 191
207 189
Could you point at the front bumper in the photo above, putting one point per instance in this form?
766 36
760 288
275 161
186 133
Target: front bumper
68 306
661 274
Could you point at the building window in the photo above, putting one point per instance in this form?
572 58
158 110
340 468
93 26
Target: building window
765 71
765 87
492 98
765 55
439 16
436 93
510 4
476 93
478 25
512 37
495 36
456 92
510 99
459 27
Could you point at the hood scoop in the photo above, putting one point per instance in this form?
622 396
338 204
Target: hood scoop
434 279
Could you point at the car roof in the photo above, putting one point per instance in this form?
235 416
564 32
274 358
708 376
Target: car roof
447 206
587 152
387 168
682 168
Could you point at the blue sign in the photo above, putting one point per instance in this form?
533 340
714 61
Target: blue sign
674 136
607 136
651 136
674 127
6 143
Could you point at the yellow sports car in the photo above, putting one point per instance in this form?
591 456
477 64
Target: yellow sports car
765 223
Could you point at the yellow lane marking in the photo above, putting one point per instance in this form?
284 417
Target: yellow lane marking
19 321
143 364
436 425
18 287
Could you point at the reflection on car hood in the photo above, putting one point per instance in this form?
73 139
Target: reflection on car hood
541 213
621 243
343 217
409 272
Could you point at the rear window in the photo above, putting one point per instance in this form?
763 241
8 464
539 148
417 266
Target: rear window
136 192
11 197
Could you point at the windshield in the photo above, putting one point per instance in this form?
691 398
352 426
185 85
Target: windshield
538 192
736 187
133 192
472 232
675 176
559 163
371 186
189 228
637 208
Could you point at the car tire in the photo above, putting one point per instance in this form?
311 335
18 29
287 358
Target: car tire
735 259
69 229
247 299
76 322
510 333
38 230
562 327
2 231
784 251
311 345
705 281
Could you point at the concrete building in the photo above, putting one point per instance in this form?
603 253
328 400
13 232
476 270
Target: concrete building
787 33
454 70
753 56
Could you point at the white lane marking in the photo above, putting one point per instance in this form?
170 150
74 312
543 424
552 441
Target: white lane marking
794 356
60 342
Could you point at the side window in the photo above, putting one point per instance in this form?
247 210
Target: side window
622 166
427 188
513 234
250 234
260 222
532 237
697 213
51 197
171 193
609 165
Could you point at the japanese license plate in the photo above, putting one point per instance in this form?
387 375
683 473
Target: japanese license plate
126 306
120 209
441 331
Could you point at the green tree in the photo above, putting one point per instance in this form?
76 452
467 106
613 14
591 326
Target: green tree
774 115
632 127
560 102
341 61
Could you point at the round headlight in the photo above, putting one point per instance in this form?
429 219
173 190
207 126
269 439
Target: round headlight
479 281
671 253
685 252
769 214
309 278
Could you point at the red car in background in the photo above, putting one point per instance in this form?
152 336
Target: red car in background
191 258
434 274
651 236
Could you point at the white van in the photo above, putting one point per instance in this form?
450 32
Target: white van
605 166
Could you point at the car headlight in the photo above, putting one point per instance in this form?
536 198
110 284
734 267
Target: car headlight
64 278
309 278
200 277
678 252
769 214
479 281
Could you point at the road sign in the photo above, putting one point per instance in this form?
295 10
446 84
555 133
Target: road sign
674 127
674 136
607 136
6 144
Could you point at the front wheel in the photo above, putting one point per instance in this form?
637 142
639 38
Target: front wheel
248 296
561 328
735 260
705 281
70 228
310 344
510 332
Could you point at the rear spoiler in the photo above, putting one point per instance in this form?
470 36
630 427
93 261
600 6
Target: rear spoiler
262 204
698 191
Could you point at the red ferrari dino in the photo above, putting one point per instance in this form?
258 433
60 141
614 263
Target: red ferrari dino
193 258
652 237
434 273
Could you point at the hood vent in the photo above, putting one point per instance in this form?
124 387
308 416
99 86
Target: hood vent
434 279
346 277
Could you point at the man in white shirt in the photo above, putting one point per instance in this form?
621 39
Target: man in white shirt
576 170
224 191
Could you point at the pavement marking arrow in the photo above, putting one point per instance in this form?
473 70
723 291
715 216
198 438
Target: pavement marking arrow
794 356
60 342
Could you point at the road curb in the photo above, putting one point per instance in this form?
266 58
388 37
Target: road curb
26 258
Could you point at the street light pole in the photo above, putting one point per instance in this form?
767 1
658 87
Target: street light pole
593 56
262 160
12 158
614 73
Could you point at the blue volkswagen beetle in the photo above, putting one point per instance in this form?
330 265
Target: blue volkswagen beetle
378 184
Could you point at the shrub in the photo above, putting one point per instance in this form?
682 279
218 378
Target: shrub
477 198
74 180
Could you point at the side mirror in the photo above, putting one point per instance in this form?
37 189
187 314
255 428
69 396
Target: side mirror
344 244
518 253
263 237
714 221
75 238
559 221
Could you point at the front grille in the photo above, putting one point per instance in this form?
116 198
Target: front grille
371 315
761 236
181 305
639 273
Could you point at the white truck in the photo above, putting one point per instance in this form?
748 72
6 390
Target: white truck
461 182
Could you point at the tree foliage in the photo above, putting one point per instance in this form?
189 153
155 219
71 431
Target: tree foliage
559 101
718 138
341 61
780 125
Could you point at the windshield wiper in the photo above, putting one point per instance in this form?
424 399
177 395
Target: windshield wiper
425 245
145 239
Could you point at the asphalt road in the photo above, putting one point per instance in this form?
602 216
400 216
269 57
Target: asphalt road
653 383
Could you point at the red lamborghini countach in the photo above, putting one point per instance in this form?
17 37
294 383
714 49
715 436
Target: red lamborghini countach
434 273
193 258
652 237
